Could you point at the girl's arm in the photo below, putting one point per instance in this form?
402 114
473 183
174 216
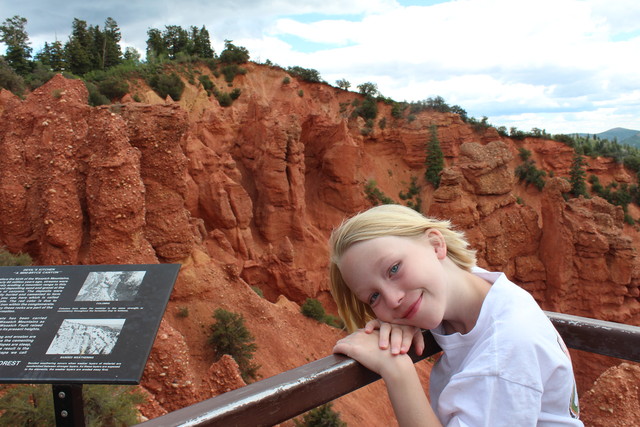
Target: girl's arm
407 396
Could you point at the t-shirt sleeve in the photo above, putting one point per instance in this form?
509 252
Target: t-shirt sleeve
488 401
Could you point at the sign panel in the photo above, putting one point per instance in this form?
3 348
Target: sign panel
80 324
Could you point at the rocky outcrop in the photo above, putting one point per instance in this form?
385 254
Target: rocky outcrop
246 196
613 400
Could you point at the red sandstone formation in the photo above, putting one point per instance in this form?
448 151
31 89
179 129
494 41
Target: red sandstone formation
246 196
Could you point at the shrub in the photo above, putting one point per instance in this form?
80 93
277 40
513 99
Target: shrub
233 54
111 405
375 195
527 170
230 336
113 87
313 309
397 109
164 85
206 83
322 416
528 173
231 71
39 76
95 97
368 110
32 405
10 80
286 80
8 259
224 99
235 94
183 312
343 84
307 74
368 89
258 291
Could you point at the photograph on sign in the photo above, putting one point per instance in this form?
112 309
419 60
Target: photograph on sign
111 286
86 336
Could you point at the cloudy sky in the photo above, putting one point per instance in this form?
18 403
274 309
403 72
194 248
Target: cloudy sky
560 65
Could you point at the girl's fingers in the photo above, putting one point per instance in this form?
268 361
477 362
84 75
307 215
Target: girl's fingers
372 325
397 338
385 331
418 342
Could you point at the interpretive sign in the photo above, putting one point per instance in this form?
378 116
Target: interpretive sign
80 324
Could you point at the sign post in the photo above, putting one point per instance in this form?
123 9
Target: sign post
74 325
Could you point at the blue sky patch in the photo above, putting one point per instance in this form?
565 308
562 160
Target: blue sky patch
307 46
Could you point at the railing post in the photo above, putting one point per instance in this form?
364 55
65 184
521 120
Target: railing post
68 405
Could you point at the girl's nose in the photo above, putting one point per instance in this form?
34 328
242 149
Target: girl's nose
393 297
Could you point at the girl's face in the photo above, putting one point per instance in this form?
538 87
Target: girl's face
403 279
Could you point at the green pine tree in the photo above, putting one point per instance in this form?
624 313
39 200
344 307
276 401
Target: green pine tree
435 158
79 48
577 176
111 52
15 37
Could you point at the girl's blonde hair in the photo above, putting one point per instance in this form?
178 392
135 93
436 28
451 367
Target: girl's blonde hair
380 221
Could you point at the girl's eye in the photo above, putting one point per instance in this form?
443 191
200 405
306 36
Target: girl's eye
374 296
394 269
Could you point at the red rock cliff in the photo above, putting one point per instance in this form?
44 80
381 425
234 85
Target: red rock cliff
247 195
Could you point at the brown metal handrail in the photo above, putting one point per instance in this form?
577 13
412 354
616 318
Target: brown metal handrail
284 396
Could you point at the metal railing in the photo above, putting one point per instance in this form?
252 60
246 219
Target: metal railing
291 393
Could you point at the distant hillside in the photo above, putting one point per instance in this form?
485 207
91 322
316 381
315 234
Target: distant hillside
621 135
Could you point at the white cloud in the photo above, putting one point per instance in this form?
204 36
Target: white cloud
572 63
548 57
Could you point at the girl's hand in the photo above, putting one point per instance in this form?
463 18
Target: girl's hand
363 347
399 336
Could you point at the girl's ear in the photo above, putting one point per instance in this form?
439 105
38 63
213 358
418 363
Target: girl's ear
436 239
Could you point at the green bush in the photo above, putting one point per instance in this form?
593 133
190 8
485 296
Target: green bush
233 54
231 71
313 309
167 84
39 76
95 97
207 84
375 195
235 94
368 109
230 336
224 99
113 87
10 80
527 170
104 405
307 74
7 259
322 416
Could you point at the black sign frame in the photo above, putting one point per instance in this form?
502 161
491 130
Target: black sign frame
81 324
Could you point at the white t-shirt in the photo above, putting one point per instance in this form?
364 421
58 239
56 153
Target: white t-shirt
511 369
